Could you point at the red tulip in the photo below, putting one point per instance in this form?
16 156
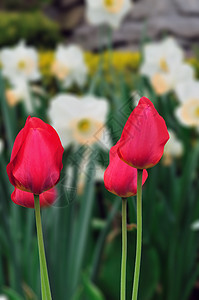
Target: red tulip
36 159
144 136
26 199
119 178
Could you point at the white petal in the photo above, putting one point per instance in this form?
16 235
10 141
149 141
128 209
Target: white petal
195 225
98 14
178 114
67 110
71 58
174 146
187 90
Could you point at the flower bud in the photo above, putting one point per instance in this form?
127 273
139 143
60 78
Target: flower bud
119 178
144 136
36 159
26 199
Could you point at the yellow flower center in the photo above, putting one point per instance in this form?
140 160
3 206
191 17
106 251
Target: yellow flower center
84 125
59 70
159 84
113 6
197 112
163 65
26 65
12 97
21 64
190 112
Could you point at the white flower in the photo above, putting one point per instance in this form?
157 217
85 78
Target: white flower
164 65
1 150
20 61
195 225
3 297
172 149
69 65
79 120
109 12
19 91
188 95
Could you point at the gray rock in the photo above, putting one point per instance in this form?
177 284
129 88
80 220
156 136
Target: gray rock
188 6
152 18
176 25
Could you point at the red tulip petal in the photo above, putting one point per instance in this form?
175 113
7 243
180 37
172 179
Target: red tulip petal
35 167
144 136
26 199
119 178
36 159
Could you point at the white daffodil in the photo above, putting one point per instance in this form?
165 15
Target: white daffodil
19 91
80 120
164 65
110 12
188 95
173 149
20 61
69 65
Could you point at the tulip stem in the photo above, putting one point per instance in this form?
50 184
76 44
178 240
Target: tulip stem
139 235
45 286
124 251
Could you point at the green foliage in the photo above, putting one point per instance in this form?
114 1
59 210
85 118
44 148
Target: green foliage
23 4
12 294
33 27
110 271
91 291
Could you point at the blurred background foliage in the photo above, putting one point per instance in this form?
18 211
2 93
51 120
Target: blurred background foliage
82 231
38 28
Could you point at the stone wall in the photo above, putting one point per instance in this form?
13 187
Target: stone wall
152 18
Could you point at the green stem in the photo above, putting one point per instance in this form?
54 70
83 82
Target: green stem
139 235
124 251
45 286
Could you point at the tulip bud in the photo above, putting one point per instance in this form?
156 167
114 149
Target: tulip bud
26 199
119 178
144 136
36 159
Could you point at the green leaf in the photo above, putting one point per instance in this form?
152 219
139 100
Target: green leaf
12 294
110 270
91 291
79 243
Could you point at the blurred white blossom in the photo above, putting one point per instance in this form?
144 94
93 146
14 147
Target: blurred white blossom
20 61
69 65
1 150
188 111
3 297
173 148
19 91
164 65
110 12
80 120
195 225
